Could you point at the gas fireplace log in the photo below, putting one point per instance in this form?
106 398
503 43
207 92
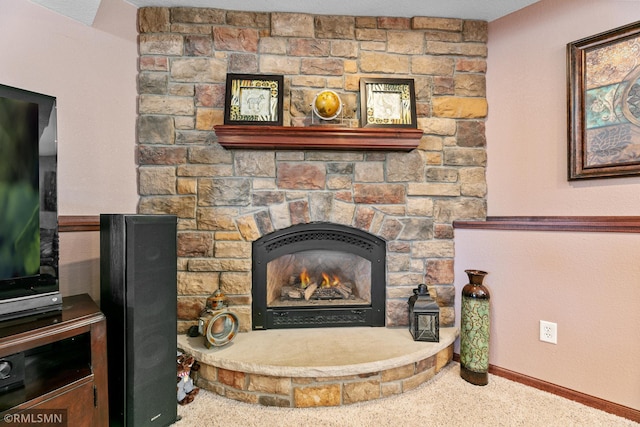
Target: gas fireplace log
343 290
310 290
291 292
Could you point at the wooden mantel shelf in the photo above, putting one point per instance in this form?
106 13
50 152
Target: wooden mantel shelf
318 137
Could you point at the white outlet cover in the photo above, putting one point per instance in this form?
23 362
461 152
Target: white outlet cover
548 332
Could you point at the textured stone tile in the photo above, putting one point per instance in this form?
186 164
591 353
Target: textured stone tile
232 378
379 193
394 23
378 62
189 307
207 372
191 283
235 39
299 211
443 357
463 49
156 180
474 30
301 176
272 385
459 209
158 104
247 19
325 395
429 23
439 271
425 364
161 44
248 228
292 25
181 206
390 388
361 391
401 372
198 70
235 283
308 47
416 380
241 396
408 43
274 401
233 249
153 20
334 27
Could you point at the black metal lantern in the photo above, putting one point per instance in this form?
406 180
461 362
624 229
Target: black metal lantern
424 316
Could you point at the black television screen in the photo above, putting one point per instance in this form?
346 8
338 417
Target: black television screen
28 204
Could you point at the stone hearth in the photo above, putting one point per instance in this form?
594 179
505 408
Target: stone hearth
319 367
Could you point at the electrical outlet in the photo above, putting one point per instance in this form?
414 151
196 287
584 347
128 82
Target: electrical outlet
548 332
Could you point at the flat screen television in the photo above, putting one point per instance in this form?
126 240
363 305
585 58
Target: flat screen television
28 204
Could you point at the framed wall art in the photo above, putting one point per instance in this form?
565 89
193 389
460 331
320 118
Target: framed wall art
387 103
253 99
603 82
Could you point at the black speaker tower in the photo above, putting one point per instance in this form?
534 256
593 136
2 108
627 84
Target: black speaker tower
138 295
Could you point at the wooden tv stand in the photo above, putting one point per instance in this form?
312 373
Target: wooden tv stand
65 363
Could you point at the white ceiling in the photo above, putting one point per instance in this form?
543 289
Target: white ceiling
80 10
486 10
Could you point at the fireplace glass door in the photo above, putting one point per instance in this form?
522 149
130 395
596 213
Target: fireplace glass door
318 275
318 278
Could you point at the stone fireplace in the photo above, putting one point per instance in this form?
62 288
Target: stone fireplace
318 275
229 199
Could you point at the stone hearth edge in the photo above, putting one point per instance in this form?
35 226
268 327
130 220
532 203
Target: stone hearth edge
318 367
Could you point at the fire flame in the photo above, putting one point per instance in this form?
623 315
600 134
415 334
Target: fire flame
304 278
327 282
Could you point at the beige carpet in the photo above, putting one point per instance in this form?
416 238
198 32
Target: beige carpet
445 400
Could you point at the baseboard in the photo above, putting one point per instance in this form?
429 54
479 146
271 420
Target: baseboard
585 399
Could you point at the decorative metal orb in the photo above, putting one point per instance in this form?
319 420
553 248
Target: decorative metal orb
327 105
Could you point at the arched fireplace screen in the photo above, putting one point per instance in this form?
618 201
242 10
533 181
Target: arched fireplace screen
318 275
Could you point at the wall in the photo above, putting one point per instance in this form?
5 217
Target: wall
92 73
563 277
227 198
586 282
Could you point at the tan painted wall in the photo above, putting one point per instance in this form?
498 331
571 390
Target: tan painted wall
586 282
92 73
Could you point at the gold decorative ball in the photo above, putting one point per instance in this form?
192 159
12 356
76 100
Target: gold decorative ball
327 105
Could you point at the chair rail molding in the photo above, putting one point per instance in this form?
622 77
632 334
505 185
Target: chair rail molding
606 224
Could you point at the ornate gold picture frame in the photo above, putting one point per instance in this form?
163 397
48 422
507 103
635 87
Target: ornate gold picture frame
603 82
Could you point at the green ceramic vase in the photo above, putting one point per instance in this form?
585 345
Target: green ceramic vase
474 330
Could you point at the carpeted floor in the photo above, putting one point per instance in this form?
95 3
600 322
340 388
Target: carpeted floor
445 400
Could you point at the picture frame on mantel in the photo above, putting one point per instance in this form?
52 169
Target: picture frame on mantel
254 99
387 103
603 80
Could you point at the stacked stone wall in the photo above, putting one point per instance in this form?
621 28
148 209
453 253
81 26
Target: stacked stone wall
227 198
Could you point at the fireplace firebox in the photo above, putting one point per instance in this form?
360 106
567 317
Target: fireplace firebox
318 275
